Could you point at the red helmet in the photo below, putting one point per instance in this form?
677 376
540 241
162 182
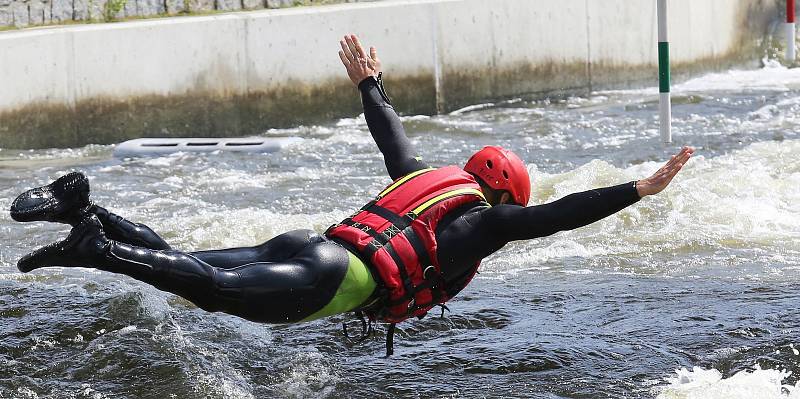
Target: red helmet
501 169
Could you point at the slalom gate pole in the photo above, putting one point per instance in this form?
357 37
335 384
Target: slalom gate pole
664 104
790 31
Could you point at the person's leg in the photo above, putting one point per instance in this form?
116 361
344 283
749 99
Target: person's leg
277 249
292 254
66 200
316 282
120 229
319 281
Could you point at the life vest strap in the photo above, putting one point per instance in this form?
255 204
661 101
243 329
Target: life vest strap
427 284
366 328
418 245
410 289
401 222
390 340
381 241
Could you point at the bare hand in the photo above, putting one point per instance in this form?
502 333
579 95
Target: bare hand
358 64
661 179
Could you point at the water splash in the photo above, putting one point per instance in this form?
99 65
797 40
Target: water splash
700 383
747 201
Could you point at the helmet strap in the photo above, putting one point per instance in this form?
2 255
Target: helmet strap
493 196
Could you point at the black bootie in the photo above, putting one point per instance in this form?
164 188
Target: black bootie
66 200
84 245
62 201
119 229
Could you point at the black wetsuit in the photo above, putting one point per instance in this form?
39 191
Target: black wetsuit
294 275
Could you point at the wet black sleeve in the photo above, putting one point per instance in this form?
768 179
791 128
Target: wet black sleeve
387 130
478 233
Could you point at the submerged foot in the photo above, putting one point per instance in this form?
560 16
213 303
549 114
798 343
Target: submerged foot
62 201
84 244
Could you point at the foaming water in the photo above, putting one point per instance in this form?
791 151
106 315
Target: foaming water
709 384
715 204
702 278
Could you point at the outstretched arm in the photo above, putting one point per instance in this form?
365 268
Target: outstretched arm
476 235
384 125
580 209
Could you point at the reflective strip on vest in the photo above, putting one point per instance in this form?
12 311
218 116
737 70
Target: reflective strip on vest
462 191
402 180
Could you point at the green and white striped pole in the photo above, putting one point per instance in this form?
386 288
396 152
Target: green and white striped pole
664 105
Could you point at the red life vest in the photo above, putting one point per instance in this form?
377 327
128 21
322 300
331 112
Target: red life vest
395 234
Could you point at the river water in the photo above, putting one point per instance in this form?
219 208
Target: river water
690 294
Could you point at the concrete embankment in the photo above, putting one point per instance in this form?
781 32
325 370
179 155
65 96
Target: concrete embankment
240 74
22 13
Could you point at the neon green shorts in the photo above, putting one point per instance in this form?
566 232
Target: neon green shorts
355 289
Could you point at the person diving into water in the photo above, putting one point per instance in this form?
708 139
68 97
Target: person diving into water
416 245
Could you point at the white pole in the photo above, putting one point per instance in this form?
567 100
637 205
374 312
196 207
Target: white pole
790 32
664 103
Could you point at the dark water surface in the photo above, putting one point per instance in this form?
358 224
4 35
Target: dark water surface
705 275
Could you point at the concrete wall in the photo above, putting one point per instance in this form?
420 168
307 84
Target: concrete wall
242 73
22 13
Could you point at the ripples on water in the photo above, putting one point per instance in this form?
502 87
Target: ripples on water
702 279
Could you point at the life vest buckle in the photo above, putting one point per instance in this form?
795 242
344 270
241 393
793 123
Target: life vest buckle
427 269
